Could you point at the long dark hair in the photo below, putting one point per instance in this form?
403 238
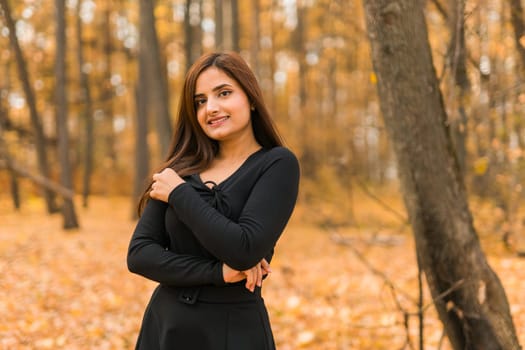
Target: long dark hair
191 150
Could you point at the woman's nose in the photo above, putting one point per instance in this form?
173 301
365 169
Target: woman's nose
212 106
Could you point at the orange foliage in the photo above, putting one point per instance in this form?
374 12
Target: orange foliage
71 290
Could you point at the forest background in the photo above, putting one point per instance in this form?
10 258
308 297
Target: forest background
88 94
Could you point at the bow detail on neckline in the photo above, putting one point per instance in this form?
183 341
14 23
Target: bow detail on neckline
213 195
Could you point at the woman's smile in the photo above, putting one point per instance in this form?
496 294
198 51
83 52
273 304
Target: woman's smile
216 122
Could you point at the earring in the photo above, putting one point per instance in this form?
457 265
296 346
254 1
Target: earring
252 107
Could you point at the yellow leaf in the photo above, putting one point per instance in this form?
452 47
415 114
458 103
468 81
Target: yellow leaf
373 78
481 165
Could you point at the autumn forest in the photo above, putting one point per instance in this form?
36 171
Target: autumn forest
407 118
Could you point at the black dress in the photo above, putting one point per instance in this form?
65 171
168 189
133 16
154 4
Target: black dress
183 243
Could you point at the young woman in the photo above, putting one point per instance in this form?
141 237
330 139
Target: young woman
211 218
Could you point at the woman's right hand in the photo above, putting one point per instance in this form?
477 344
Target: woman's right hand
253 276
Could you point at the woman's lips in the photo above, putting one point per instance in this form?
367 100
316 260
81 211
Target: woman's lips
217 121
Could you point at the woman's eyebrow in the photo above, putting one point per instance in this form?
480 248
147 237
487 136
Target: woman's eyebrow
218 87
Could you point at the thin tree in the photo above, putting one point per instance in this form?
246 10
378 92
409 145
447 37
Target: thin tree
467 294
107 94
87 113
6 156
192 31
141 130
156 75
255 38
219 35
40 142
142 97
224 33
68 207
298 43
516 15
235 26
518 25
227 24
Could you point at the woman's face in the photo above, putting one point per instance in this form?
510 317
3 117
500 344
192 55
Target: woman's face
222 107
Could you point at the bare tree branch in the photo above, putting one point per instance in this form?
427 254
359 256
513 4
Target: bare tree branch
385 206
440 9
38 179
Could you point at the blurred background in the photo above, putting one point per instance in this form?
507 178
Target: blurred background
88 95
311 59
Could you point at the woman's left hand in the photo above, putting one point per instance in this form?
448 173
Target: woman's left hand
254 276
163 183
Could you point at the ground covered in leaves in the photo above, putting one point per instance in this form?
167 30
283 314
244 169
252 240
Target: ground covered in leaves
351 287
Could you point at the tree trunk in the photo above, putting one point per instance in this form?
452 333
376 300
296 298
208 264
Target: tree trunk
192 32
4 153
308 157
188 35
227 25
518 24
483 180
40 144
156 75
255 46
218 25
235 26
270 64
68 207
460 84
106 93
141 132
468 295
516 15
88 113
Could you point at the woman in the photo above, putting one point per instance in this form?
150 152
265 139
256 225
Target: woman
211 218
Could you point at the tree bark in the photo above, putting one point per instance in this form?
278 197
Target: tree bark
188 35
107 91
308 158
218 25
516 15
192 32
255 37
68 207
518 24
468 295
88 113
460 84
40 144
227 25
235 26
157 79
141 132
4 153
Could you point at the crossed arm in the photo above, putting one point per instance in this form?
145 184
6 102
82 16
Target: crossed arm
238 246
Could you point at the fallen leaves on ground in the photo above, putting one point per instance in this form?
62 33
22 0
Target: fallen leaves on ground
72 290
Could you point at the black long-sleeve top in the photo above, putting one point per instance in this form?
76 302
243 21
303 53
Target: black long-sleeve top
184 242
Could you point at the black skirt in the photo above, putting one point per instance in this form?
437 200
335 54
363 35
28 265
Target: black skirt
209 318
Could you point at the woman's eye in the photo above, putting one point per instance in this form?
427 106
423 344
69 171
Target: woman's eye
200 102
225 93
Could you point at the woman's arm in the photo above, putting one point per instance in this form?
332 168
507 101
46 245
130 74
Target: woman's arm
241 245
148 255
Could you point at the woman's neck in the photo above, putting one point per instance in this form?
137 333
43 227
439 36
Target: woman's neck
237 150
